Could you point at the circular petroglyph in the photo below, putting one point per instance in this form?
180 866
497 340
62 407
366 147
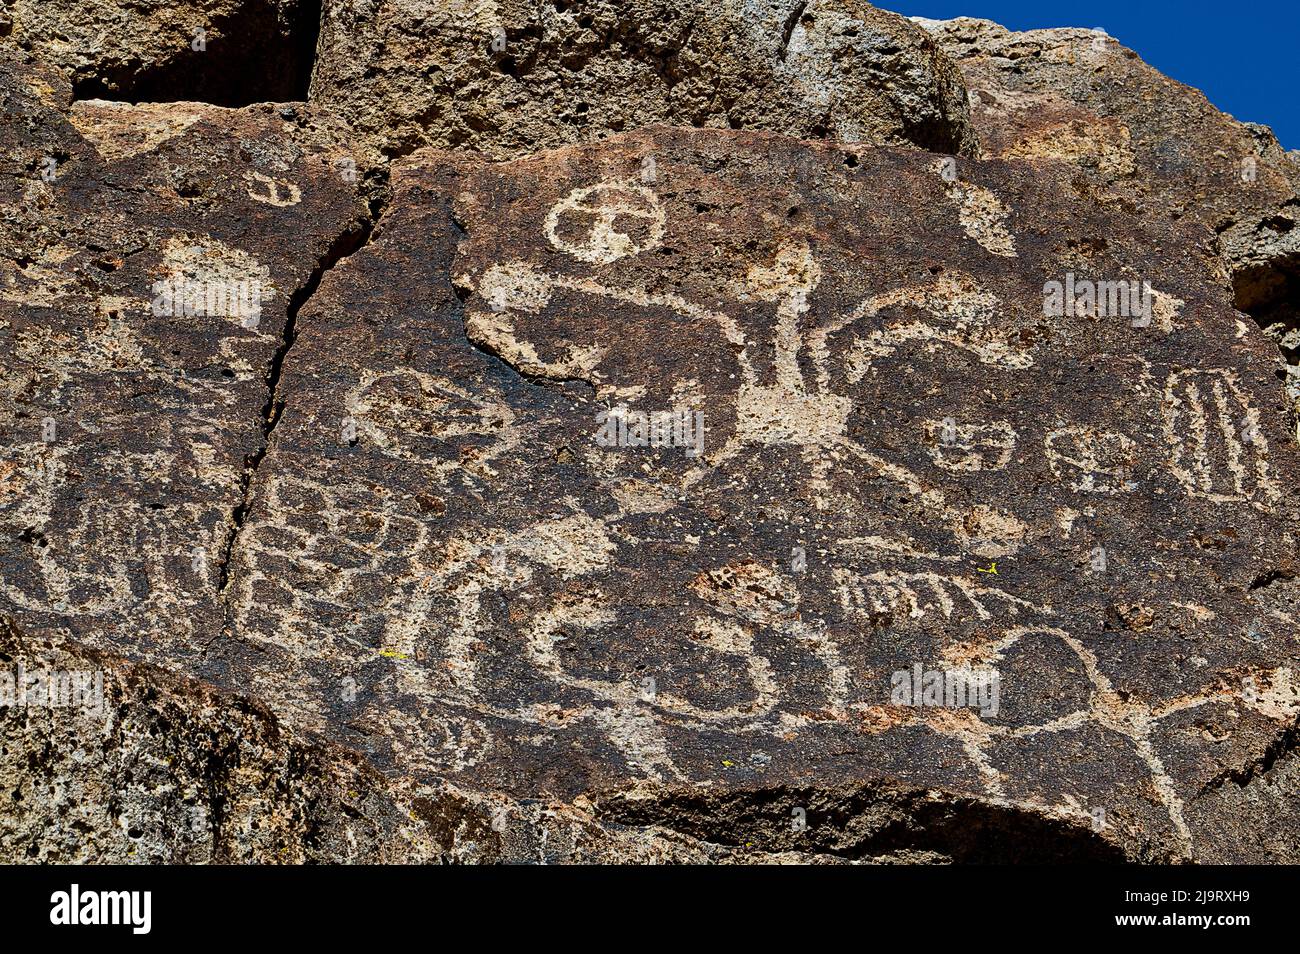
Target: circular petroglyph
606 222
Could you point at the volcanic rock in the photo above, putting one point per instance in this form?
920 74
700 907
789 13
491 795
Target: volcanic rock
153 259
508 78
447 567
692 494
224 52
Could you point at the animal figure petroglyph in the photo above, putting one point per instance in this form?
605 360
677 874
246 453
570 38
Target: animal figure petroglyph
1122 713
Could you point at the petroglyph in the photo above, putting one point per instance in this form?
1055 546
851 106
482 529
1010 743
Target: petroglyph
982 214
519 287
317 550
968 447
912 596
427 419
783 412
959 313
788 282
213 267
413 547
605 222
438 740
1217 449
1092 461
272 191
1117 712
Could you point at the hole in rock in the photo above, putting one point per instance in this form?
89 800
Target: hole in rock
261 54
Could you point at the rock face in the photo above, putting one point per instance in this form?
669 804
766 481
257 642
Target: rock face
152 259
1078 96
676 494
523 610
509 78
226 52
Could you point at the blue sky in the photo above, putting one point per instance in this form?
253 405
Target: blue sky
1245 56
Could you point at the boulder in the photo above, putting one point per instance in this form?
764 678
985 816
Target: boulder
1079 96
224 52
423 473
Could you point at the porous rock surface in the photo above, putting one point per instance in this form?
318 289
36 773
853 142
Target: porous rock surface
362 584
511 77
